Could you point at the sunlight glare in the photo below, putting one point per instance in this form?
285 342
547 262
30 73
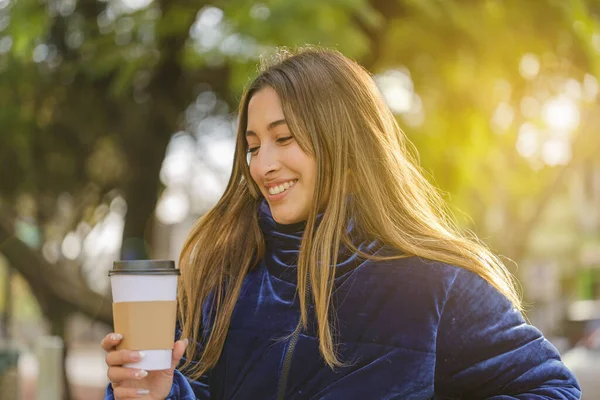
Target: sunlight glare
561 113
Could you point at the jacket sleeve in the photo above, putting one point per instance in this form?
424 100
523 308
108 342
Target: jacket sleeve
183 388
486 350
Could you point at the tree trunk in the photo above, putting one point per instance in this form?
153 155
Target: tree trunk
51 284
145 145
141 196
144 151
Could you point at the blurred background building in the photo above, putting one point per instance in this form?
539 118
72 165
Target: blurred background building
117 122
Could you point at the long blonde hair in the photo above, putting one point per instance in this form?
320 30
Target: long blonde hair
366 170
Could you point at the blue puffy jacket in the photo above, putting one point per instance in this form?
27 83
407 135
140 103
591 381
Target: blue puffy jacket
407 329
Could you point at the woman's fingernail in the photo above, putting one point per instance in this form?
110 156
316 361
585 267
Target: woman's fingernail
143 391
137 355
186 341
141 374
116 336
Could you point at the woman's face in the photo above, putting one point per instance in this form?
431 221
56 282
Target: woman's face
284 173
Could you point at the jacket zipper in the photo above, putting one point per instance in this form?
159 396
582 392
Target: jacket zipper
287 363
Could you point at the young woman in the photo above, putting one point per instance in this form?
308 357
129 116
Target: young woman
330 270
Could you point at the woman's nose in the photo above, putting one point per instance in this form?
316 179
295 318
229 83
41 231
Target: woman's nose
268 161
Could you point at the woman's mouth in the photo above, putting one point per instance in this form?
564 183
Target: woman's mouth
280 191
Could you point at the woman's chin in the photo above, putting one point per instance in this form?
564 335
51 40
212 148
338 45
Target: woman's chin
287 219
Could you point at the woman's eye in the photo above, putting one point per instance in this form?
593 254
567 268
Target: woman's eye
284 139
252 150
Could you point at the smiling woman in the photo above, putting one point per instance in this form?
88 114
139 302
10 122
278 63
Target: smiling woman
329 268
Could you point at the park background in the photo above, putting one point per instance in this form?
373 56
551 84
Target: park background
116 133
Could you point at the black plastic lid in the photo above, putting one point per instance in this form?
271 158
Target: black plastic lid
144 267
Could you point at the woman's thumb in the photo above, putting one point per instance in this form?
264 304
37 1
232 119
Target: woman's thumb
178 351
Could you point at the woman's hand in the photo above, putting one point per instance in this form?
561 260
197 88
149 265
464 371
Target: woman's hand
130 383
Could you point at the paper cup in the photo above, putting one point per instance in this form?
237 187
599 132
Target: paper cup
144 309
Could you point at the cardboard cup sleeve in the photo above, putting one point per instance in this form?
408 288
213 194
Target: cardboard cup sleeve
145 325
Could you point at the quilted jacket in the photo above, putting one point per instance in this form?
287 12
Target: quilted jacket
408 328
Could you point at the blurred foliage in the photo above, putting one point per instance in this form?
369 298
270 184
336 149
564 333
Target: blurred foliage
464 58
90 93
24 304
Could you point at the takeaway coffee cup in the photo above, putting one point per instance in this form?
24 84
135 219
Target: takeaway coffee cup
144 309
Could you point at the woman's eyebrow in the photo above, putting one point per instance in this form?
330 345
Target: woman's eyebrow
276 123
269 127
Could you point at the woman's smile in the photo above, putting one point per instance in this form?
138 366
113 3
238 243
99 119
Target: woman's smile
279 192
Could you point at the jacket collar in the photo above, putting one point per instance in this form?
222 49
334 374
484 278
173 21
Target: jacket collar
283 246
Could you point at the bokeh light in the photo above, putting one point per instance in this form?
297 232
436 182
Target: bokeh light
207 30
40 53
528 140
556 151
590 88
51 251
260 12
503 117
173 206
71 246
4 22
561 113
529 67
5 44
135 5
176 167
397 89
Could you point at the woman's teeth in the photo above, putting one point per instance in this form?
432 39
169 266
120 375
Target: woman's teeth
282 188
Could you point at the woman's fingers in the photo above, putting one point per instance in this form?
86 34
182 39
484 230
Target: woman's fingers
110 341
122 393
117 375
178 351
120 357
